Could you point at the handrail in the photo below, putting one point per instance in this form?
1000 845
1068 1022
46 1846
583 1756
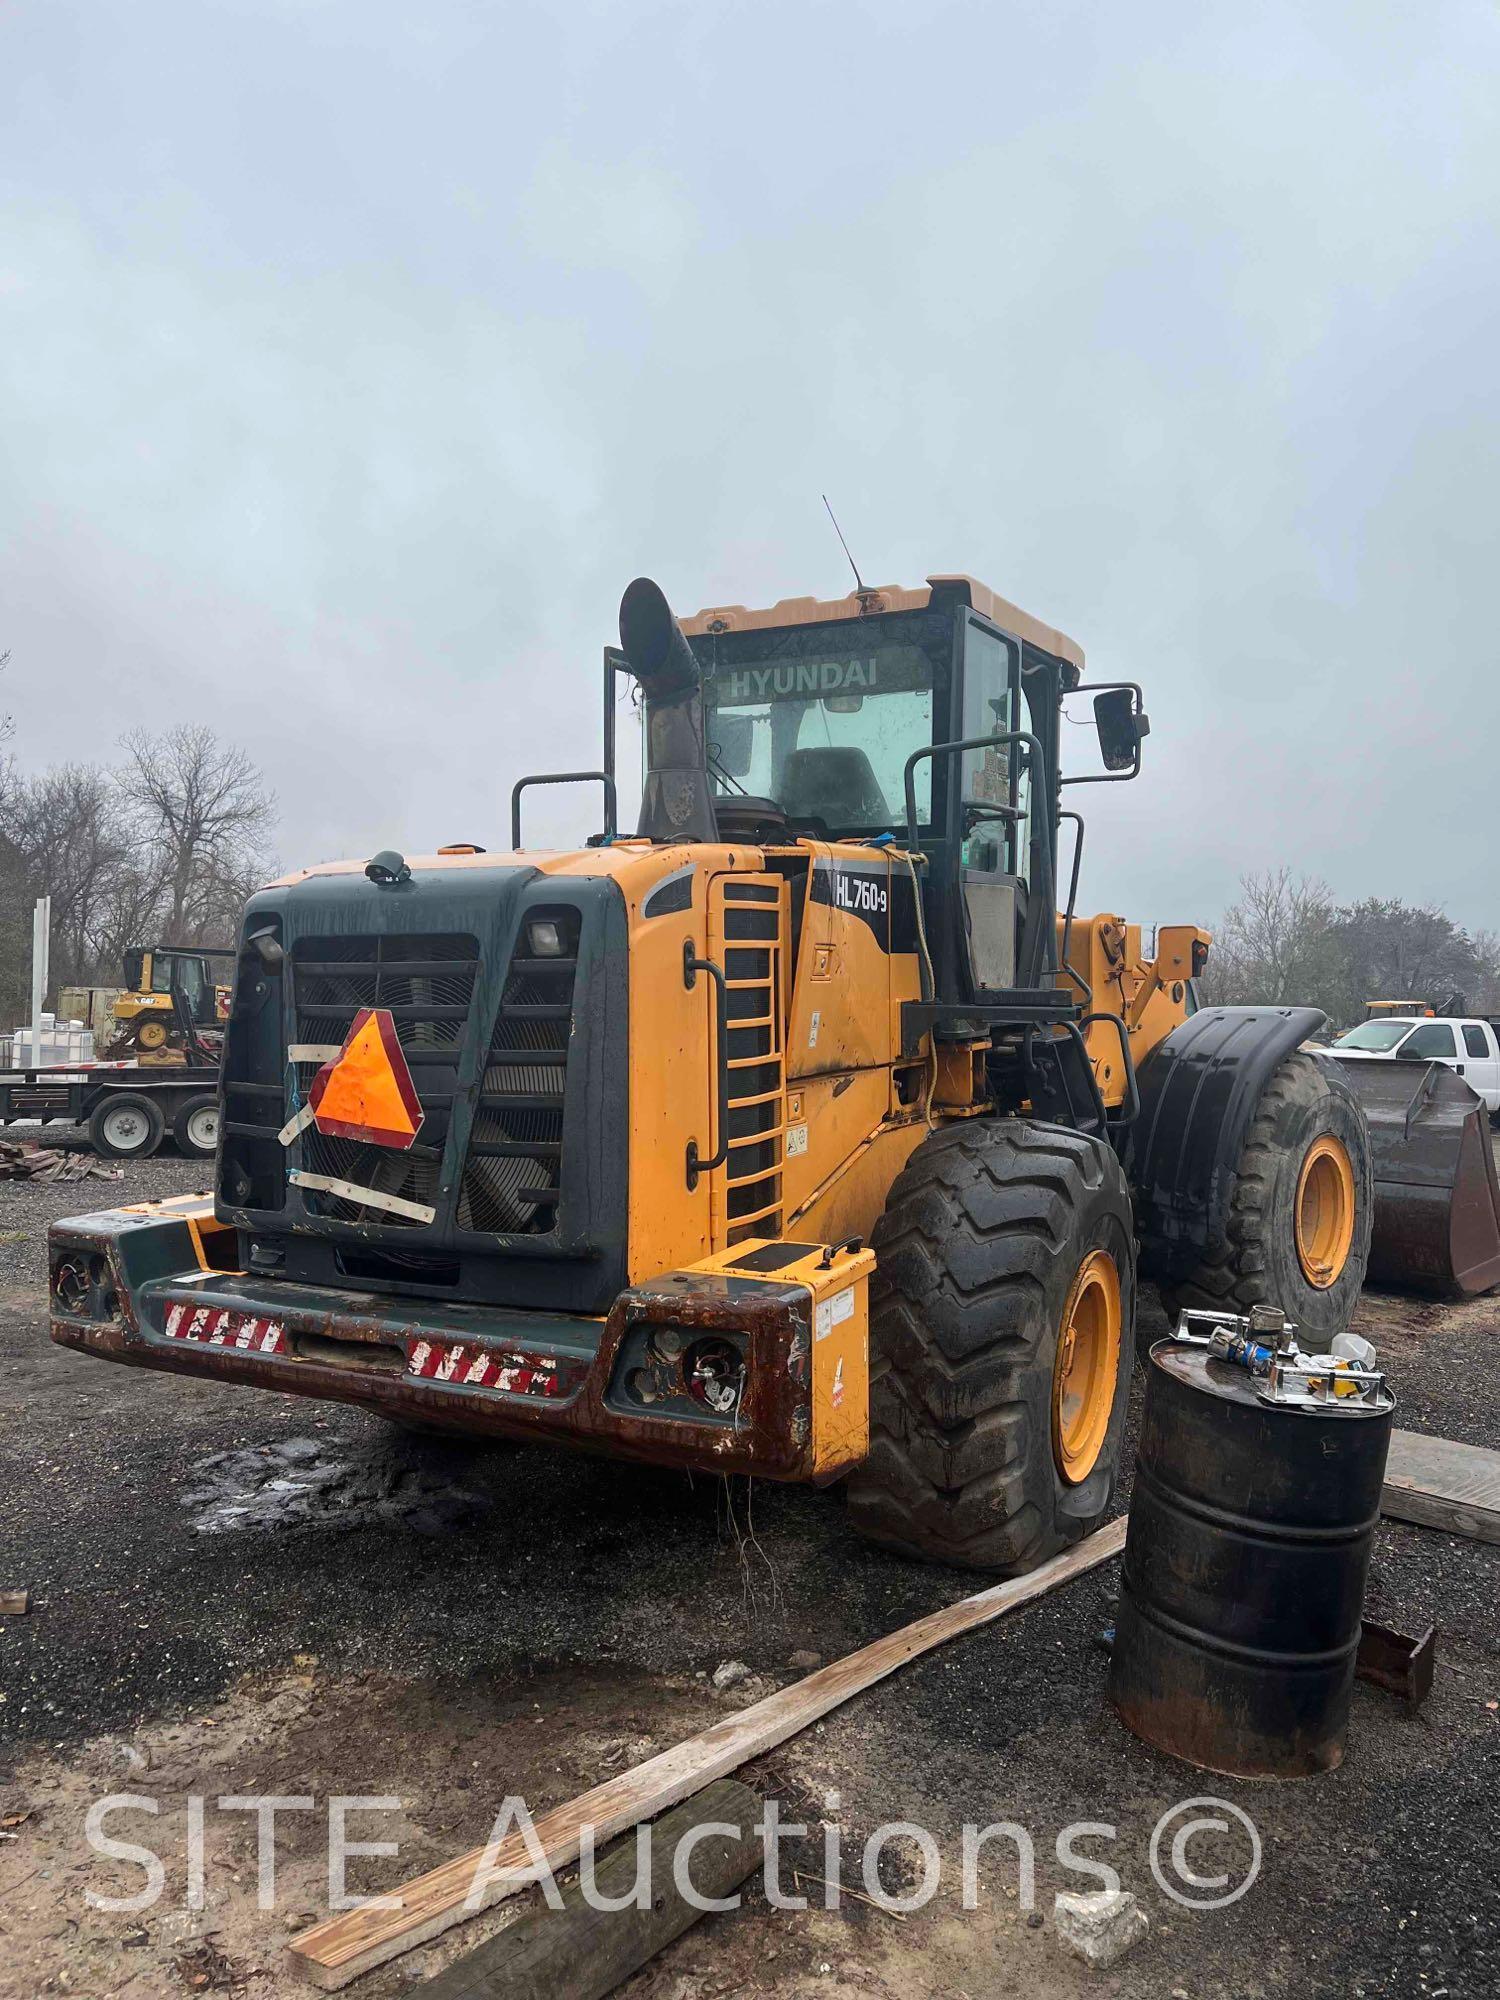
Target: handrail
1042 866
1132 1089
1067 937
563 778
692 965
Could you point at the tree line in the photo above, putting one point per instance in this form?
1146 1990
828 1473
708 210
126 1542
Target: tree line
162 848
1286 941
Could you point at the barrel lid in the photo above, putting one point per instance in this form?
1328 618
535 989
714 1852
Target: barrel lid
1195 1368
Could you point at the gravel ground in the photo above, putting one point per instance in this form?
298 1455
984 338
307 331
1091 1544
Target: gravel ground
25 1211
401 1616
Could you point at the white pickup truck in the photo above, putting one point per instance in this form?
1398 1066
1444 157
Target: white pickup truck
1468 1047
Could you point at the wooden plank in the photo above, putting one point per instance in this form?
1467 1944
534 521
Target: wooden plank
1441 1484
332 1953
585 1952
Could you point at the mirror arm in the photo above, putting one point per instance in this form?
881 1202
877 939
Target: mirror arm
1143 729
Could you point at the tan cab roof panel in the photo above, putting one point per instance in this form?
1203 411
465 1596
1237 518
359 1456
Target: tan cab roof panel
888 597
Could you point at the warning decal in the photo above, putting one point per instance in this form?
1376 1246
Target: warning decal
366 1092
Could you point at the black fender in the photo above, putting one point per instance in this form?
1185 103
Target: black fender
1199 1091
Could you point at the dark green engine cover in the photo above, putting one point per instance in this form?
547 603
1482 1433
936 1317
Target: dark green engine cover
514 1190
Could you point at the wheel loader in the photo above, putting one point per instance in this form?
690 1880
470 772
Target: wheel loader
806 1132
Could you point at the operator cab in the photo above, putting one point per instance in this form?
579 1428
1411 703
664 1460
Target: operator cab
928 718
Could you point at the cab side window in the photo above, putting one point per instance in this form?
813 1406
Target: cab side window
1433 1038
1474 1040
990 710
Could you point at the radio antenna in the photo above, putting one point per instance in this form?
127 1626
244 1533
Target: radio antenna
859 581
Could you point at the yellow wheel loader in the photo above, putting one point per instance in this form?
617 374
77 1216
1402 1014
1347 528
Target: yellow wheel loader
805 1132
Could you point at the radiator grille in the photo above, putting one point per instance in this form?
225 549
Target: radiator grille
427 984
748 928
513 1176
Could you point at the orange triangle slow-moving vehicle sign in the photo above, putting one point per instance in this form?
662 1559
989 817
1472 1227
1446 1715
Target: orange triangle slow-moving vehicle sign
366 1092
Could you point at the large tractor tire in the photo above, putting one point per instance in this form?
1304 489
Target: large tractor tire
1001 1319
1298 1234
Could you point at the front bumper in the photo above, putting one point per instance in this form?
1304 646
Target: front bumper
135 1285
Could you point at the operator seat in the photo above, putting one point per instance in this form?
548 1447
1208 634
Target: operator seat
836 784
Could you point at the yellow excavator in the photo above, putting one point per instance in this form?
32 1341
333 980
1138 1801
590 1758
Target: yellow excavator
806 1131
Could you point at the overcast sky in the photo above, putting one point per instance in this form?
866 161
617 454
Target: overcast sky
353 357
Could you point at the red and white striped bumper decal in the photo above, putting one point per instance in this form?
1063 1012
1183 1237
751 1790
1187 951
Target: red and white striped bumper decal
478 1368
208 1326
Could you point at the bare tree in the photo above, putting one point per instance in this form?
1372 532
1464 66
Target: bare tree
69 831
1485 998
1271 944
1402 951
1283 941
203 814
165 851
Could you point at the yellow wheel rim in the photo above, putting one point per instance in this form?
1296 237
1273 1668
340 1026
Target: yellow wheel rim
151 1034
1325 1211
1086 1368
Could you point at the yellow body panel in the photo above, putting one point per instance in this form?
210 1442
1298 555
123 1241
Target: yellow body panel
839 1017
1149 995
848 1202
839 1315
828 1119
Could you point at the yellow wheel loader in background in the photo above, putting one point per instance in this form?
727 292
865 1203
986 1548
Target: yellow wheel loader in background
800 1133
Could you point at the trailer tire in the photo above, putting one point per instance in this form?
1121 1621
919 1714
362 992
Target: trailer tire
123 1126
1005 1251
195 1127
1298 1232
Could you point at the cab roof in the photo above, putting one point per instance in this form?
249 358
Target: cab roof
891 597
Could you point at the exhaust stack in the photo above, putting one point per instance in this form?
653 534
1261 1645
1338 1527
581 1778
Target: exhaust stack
677 802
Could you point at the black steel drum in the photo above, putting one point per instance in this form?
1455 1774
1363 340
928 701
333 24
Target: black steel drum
1244 1571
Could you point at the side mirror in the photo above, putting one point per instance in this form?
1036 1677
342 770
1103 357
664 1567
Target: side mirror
1121 726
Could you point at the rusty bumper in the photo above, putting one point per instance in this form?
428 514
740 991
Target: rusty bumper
134 1286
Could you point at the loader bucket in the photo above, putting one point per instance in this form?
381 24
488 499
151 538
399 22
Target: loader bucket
1437 1201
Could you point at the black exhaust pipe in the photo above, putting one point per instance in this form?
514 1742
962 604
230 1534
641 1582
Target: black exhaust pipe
677 802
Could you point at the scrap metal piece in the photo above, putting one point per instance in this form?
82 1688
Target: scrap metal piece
1397 1662
1263 1343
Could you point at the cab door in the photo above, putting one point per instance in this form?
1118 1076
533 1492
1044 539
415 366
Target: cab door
1433 1041
993 811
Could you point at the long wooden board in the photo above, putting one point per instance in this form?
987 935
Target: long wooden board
1440 1484
584 1951
332 1953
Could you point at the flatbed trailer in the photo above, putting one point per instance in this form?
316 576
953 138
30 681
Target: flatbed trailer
127 1110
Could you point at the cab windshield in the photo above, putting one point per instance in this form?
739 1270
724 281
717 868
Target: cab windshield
1377 1035
822 718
